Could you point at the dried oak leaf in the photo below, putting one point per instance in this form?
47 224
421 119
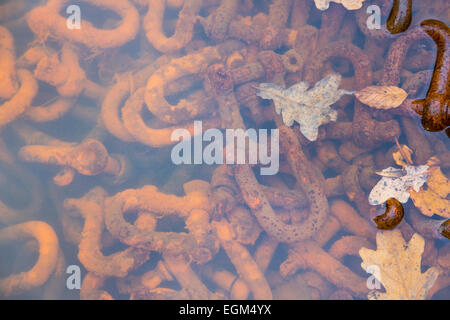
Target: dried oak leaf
310 108
399 265
348 4
382 97
396 183
433 200
399 156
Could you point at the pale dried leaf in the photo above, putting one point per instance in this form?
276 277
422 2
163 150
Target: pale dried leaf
348 4
310 108
398 156
399 264
438 182
382 97
429 203
433 200
392 186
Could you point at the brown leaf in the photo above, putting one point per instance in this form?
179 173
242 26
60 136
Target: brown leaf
399 265
381 97
433 199
403 156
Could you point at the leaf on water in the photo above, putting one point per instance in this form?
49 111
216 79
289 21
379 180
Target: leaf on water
310 108
382 97
392 185
399 265
399 156
433 200
348 4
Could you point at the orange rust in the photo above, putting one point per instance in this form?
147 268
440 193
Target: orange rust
11 9
310 255
216 24
153 23
50 112
190 64
46 263
242 260
93 38
351 221
8 82
237 288
197 244
91 288
278 16
21 100
187 278
88 158
154 277
119 91
144 134
349 245
91 208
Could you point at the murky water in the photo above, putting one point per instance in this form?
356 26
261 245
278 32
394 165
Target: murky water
92 192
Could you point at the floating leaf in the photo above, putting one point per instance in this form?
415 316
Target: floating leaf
394 185
399 265
399 156
310 108
348 4
382 97
433 200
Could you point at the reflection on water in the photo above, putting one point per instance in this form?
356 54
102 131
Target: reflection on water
90 193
